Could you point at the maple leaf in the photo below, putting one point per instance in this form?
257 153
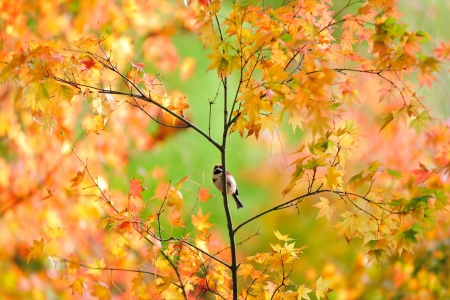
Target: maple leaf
427 66
422 173
218 62
137 283
101 291
421 122
412 44
87 62
388 94
404 239
136 188
36 250
443 51
200 221
204 195
37 96
94 124
303 292
96 267
46 120
54 232
16 61
165 282
352 223
296 120
245 270
86 42
208 35
269 122
282 237
77 286
62 92
322 288
386 120
325 208
333 178
78 178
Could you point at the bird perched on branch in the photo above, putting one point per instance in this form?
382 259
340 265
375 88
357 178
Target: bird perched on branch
231 184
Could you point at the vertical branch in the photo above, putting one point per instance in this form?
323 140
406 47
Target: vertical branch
224 193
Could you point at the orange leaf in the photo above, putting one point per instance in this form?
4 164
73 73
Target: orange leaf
187 68
136 188
204 195
443 51
78 178
200 221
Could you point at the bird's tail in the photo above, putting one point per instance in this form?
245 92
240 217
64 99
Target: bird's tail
238 202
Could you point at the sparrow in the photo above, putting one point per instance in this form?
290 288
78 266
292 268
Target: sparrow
231 184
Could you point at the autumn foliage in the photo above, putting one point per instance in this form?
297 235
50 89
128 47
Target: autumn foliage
91 207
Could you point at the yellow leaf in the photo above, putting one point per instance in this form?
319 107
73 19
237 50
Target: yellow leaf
325 208
54 232
94 124
37 96
322 288
165 283
77 286
101 291
269 122
245 270
62 92
96 267
36 250
219 62
303 292
208 35
353 222
296 120
333 178
6 71
282 237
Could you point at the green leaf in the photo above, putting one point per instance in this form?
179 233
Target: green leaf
417 202
374 167
429 217
426 37
420 122
394 173
356 177
397 203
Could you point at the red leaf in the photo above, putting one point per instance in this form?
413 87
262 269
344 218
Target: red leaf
88 63
136 188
